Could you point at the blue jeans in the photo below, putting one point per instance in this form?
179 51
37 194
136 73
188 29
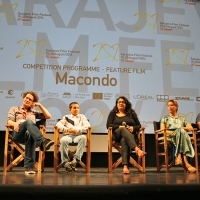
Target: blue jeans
30 135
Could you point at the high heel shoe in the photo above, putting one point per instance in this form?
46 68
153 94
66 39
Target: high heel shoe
178 161
140 153
190 168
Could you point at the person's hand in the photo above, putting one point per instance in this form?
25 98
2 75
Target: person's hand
130 128
71 130
35 104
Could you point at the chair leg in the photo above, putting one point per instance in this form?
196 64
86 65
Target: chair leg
5 151
88 152
110 158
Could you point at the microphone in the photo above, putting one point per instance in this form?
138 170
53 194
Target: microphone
124 124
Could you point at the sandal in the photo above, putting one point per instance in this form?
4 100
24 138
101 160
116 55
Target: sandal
140 153
190 168
178 161
126 170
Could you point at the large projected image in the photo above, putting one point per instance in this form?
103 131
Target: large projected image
93 51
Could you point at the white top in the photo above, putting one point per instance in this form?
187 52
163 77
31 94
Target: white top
78 122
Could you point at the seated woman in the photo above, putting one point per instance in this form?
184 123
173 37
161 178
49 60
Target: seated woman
124 121
178 136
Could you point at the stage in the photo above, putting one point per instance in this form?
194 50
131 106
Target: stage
99 184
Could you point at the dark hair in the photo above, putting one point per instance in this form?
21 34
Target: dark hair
34 94
128 110
70 105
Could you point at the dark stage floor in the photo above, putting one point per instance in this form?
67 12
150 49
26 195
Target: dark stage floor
99 184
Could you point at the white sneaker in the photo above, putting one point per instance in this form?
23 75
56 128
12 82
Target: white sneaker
29 170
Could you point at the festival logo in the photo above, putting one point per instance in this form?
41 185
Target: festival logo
177 56
8 10
188 116
28 47
106 51
151 20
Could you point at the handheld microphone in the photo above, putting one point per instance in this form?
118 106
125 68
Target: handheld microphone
124 124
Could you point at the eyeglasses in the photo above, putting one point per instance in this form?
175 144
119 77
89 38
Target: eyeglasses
121 102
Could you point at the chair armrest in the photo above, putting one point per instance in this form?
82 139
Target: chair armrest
161 130
89 132
9 126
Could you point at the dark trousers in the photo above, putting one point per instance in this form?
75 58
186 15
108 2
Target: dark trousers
127 142
30 135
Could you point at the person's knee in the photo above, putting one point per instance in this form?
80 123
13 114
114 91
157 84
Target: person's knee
65 140
29 122
84 138
123 129
122 141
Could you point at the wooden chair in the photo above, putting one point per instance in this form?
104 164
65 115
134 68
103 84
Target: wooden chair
140 164
10 146
194 125
166 149
57 164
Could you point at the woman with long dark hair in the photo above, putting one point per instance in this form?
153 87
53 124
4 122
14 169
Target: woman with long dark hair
125 124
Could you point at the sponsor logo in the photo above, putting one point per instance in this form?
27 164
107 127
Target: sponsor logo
49 95
10 94
192 2
125 95
184 98
197 98
162 98
142 97
97 95
66 95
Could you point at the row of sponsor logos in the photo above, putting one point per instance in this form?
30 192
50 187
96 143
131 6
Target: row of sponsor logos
103 96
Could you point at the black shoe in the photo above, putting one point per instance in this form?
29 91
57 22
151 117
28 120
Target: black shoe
46 144
29 170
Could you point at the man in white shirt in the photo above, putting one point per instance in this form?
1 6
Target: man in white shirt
72 126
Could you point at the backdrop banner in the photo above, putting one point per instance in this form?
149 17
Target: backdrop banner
93 51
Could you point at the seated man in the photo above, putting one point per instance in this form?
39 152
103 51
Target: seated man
23 119
72 126
198 121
